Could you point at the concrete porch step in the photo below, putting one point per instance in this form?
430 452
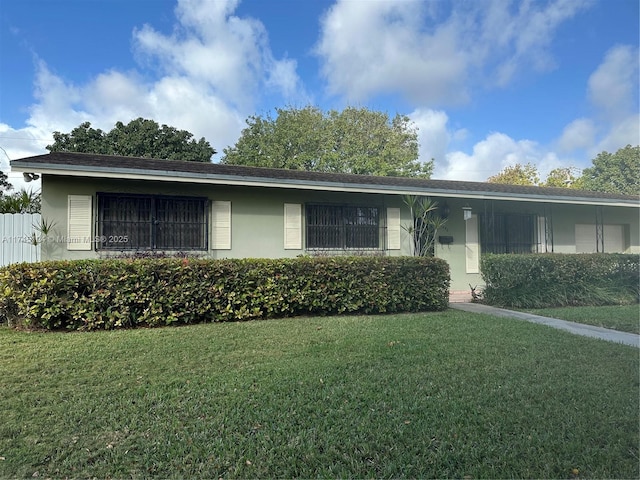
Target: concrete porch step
459 296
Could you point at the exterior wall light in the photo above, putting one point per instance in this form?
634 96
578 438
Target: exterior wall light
29 177
466 212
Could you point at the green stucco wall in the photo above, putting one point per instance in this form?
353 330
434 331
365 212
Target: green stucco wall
257 220
562 219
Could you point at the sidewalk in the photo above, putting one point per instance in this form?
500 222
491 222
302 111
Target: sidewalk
576 328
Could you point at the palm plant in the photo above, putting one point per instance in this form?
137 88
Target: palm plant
20 202
424 226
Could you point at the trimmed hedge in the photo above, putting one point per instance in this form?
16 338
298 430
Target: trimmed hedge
556 280
107 294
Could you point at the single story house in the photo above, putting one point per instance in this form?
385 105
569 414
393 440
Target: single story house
99 205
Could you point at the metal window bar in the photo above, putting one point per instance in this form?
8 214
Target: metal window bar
599 229
179 224
124 222
143 222
548 228
508 233
342 227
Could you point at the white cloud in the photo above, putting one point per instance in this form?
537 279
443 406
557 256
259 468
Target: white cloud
282 76
54 110
434 136
226 54
489 156
579 134
19 143
612 90
531 30
114 96
614 84
433 56
57 104
214 65
492 155
181 103
437 54
378 47
622 133
212 70
205 16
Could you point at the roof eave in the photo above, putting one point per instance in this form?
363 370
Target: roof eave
237 180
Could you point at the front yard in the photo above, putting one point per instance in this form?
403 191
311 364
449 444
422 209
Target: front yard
448 394
625 318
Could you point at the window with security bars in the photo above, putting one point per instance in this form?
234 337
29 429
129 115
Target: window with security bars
151 222
342 227
508 233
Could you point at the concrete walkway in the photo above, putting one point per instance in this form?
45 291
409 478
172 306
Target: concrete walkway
576 328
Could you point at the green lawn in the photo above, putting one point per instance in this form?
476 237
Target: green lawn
448 394
625 318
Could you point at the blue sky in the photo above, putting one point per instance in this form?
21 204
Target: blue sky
487 83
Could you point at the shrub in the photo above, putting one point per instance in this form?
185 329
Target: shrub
123 293
555 280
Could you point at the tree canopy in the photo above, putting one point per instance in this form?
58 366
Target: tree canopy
138 138
517 175
611 172
356 140
615 172
20 202
4 182
564 178
527 174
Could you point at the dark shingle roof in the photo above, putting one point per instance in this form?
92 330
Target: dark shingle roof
82 161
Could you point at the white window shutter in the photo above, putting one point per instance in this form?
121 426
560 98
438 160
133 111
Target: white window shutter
585 238
221 225
79 222
292 226
472 246
613 239
393 228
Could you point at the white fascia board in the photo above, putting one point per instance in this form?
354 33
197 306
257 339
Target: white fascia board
251 181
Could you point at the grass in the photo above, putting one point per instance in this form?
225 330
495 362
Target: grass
447 394
625 318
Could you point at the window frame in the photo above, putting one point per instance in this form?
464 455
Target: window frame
346 227
499 233
153 212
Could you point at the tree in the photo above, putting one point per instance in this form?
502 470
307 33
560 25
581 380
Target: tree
517 175
139 138
564 178
20 202
83 138
4 183
615 173
356 140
